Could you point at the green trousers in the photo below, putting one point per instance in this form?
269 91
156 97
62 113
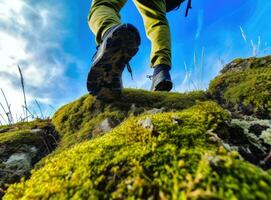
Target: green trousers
104 14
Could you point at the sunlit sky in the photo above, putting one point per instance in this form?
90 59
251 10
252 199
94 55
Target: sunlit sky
53 45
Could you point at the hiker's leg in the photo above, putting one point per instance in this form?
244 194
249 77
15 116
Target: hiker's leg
154 16
103 15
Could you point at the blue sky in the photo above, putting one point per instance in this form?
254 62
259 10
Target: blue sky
52 43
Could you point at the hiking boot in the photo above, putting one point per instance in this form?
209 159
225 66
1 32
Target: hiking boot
119 45
161 80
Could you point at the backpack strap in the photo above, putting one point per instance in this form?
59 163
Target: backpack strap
189 6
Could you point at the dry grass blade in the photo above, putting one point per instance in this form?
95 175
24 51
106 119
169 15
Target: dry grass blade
4 120
39 107
24 119
259 44
6 113
186 79
193 83
54 138
22 83
188 76
31 114
8 106
222 62
243 34
254 48
53 109
195 66
201 65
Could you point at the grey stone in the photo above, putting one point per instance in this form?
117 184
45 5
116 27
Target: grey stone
36 130
147 123
156 110
105 126
21 160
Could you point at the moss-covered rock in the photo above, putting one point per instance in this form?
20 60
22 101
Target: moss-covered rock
172 155
244 87
81 119
21 146
251 138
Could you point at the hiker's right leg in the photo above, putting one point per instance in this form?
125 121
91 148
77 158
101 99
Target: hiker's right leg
117 44
103 15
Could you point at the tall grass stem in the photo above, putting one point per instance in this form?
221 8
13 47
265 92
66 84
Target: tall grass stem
23 88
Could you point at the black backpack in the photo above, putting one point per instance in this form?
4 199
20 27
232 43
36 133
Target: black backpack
173 4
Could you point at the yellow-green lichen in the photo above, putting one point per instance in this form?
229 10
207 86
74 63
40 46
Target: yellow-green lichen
159 156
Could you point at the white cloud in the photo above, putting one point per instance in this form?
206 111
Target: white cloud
30 35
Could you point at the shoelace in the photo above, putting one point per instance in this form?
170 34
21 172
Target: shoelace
129 68
150 77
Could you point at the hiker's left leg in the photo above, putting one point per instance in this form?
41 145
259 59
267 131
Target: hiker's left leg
104 15
154 16
156 25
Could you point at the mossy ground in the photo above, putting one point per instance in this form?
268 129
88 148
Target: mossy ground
245 87
14 138
170 155
20 133
76 121
177 154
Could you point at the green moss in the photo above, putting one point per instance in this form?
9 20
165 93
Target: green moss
21 132
18 137
246 87
76 121
172 158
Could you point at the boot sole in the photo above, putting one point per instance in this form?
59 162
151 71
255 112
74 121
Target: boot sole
104 78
